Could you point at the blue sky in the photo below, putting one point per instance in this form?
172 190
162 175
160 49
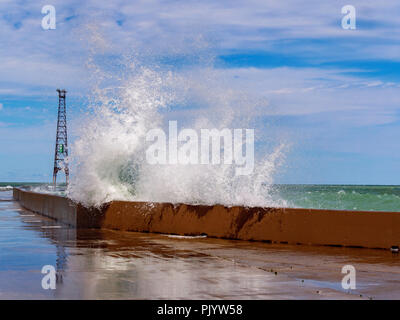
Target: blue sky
333 93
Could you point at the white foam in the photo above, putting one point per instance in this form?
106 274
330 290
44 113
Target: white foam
108 161
185 237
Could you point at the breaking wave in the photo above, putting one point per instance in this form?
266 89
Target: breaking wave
108 159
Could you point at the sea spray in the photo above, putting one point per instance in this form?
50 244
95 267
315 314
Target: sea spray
108 159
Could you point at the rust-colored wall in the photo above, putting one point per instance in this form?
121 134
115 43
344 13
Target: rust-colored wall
296 226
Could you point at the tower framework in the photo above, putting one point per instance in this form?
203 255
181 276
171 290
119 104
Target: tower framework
61 150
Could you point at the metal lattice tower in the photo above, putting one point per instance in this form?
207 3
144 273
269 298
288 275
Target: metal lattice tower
61 150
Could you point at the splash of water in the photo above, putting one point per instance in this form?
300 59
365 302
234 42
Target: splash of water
108 160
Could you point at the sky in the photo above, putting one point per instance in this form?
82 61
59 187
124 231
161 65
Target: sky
332 92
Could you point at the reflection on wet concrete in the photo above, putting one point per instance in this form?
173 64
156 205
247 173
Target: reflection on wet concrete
106 264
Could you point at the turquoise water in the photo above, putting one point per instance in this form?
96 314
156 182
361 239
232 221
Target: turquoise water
6 186
34 186
341 197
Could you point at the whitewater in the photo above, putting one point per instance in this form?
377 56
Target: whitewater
108 158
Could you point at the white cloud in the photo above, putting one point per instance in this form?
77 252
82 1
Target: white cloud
59 56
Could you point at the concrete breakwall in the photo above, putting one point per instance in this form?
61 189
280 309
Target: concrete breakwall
276 225
59 208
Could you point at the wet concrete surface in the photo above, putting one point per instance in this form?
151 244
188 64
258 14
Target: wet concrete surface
106 264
